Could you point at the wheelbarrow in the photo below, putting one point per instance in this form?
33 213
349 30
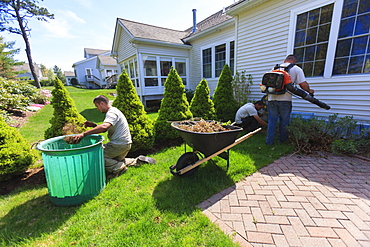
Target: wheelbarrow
209 144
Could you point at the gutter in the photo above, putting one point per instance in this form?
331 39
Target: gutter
248 4
161 43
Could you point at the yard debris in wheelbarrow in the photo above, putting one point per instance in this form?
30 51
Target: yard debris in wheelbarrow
209 138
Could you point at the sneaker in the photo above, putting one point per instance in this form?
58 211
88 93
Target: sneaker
145 159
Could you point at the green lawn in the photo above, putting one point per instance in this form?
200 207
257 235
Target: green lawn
146 206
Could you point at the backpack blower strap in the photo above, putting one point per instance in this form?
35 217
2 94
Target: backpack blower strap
278 81
274 82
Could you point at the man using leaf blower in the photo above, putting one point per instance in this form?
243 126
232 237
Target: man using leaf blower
280 84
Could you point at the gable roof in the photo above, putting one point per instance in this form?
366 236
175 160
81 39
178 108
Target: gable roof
209 22
92 51
69 73
141 31
26 67
145 31
107 60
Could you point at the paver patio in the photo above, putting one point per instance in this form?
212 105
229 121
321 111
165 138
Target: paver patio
321 200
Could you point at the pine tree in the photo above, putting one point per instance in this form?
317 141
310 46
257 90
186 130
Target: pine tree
7 61
128 102
223 97
201 104
174 107
65 112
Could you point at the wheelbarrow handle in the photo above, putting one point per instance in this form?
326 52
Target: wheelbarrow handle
199 162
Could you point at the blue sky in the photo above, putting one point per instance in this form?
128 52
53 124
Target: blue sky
80 24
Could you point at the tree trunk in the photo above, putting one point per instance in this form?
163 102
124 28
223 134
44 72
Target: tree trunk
28 47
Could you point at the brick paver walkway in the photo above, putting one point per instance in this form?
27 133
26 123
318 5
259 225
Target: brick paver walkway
298 201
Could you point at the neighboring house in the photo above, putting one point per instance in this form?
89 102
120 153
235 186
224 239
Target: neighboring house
330 38
93 70
27 75
69 76
108 69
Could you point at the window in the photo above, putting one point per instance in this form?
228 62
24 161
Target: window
312 38
180 66
131 69
163 64
215 58
150 71
220 58
347 29
353 52
232 56
207 63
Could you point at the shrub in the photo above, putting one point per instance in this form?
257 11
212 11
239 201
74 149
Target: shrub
338 134
65 112
15 94
15 153
223 97
174 107
201 105
128 102
241 84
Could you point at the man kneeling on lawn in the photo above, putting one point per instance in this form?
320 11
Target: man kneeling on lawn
119 144
247 116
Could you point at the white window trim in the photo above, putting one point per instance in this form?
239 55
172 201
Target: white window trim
213 50
333 37
159 75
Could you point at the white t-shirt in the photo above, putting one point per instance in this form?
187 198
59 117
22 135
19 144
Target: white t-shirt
297 76
119 132
246 110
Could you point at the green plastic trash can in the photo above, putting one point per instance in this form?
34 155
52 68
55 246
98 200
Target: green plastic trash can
74 172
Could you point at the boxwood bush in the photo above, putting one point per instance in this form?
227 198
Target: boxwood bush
15 152
65 112
174 107
223 97
201 104
128 102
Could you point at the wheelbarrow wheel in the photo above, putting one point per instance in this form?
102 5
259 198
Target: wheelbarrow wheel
185 160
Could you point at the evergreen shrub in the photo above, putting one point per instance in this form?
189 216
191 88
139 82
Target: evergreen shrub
16 154
174 107
128 102
65 112
223 97
201 105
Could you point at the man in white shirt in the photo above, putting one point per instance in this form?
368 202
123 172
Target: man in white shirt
279 106
247 116
116 150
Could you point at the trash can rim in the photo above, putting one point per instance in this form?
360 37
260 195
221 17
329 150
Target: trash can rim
39 146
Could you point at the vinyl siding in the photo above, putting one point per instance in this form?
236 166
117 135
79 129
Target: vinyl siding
214 39
125 48
263 34
163 51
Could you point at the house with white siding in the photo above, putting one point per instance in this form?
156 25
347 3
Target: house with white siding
329 37
97 70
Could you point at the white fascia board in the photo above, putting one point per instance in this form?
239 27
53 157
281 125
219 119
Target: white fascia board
117 33
157 42
237 9
224 24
